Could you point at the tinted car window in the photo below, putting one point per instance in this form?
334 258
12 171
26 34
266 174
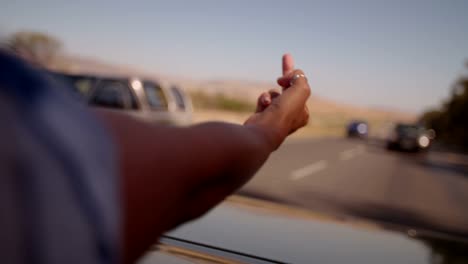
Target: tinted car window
406 128
83 85
113 94
178 97
409 130
155 96
67 82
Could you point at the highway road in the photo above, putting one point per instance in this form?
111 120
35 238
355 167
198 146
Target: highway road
361 178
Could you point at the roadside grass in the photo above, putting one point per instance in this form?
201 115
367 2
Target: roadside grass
332 123
320 124
204 101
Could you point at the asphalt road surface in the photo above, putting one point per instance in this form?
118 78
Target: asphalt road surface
362 178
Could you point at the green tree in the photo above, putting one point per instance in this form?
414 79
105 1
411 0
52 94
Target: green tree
457 113
38 48
450 121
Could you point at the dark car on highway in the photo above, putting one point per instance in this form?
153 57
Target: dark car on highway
246 230
409 137
357 129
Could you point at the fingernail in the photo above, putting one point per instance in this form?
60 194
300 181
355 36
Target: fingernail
266 100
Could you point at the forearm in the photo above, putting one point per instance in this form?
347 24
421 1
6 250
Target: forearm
173 174
249 148
215 151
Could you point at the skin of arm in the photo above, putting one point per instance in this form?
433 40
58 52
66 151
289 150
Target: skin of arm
170 175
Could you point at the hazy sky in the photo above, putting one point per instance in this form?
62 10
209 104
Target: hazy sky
397 54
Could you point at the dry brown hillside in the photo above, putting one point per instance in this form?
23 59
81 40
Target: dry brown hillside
328 118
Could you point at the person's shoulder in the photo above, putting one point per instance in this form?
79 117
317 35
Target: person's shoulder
20 81
67 162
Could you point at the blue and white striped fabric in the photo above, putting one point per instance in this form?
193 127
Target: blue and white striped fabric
59 200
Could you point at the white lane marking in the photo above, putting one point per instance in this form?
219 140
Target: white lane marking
308 170
351 153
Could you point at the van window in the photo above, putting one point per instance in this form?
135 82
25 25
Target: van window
155 96
179 98
113 94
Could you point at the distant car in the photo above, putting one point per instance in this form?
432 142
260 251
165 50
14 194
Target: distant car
359 129
409 137
144 99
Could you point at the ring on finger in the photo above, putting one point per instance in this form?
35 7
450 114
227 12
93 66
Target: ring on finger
295 77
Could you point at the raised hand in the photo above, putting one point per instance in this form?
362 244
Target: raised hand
283 113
